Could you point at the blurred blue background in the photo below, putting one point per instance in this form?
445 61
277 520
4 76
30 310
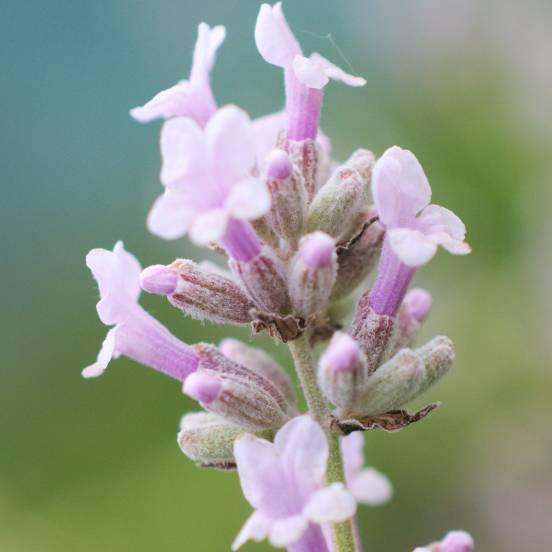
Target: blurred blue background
93 465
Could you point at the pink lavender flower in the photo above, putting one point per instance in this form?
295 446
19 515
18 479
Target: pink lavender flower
284 482
191 98
220 160
305 77
455 541
135 334
414 228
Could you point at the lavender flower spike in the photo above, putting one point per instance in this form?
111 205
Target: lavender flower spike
414 229
284 482
191 98
305 77
222 158
136 334
455 541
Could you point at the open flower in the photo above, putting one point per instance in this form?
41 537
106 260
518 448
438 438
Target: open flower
135 334
367 485
191 98
455 541
208 177
415 228
284 482
305 77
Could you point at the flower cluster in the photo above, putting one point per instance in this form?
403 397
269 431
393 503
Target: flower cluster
300 233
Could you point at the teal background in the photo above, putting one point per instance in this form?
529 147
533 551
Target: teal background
93 465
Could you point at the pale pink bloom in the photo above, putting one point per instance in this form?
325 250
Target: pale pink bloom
367 485
135 334
208 178
414 228
455 541
305 77
284 482
191 98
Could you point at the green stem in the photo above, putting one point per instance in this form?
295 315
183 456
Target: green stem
301 351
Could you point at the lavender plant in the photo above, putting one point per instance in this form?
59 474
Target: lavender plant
300 233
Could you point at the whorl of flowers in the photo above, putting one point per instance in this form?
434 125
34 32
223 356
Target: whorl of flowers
299 233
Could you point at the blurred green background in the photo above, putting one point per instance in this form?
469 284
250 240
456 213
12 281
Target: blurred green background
93 465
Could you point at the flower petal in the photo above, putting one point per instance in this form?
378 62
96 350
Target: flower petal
209 227
371 487
207 43
288 530
184 153
256 528
309 73
331 504
266 130
455 247
303 448
435 218
107 352
165 104
117 273
399 187
411 246
336 73
352 447
273 37
249 200
258 469
232 144
170 216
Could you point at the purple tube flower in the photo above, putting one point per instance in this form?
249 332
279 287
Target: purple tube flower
222 158
135 334
305 77
284 482
191 98
414 228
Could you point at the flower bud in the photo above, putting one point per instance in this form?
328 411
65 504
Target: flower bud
337 206
363 162
342 371
306 156
357 258
263 279
208 440
260 362
236 393
287 192
199 292
455 541
312 274
374 333
408 374
412 312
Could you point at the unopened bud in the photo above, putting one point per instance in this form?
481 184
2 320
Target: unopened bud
374 333
363 162
357 258
159 279
260 362
306 156
342 371
287 193
208 439
412 312
337 206
313 274
236 393
201 293
263 279
407 375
